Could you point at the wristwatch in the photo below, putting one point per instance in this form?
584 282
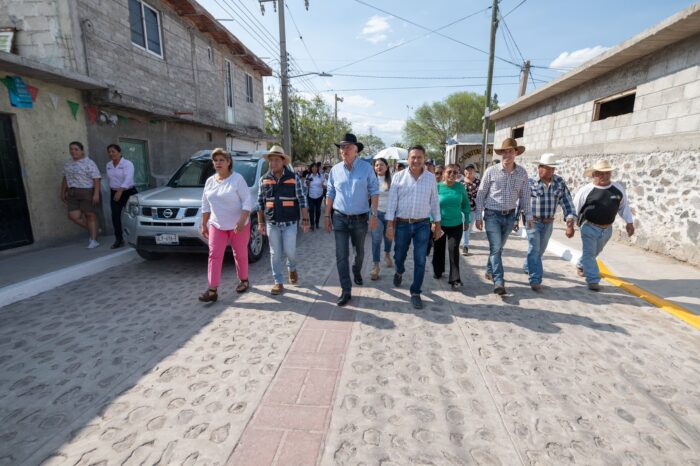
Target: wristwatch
372 213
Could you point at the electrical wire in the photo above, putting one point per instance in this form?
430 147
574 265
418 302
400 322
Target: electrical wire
436 32
514 8
413 87
418 77
301 38
410 41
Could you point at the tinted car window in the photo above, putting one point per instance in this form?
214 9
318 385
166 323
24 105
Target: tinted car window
194 173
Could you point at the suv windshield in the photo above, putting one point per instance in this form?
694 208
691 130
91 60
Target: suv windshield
194 173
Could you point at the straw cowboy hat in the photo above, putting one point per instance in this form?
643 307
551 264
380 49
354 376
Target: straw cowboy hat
350 139
279 152
599 166
510 143
549 160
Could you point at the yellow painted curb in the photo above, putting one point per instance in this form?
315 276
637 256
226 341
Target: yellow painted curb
665 305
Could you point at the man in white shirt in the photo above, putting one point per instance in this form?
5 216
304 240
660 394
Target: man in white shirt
597 204
413 201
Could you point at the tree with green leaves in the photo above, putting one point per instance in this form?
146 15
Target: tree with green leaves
373 144
312 127
434 123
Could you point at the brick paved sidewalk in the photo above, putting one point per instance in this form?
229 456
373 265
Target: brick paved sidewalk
127 368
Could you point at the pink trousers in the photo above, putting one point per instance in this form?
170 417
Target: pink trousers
218 240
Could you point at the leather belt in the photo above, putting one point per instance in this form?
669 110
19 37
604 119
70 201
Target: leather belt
599 226
502 212
412 220
359 216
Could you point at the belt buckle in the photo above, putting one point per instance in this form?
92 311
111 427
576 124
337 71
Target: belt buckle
505 212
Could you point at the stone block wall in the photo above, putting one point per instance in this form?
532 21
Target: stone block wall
662 187
667 103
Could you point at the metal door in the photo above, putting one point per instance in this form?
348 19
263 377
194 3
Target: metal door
15 226
135 151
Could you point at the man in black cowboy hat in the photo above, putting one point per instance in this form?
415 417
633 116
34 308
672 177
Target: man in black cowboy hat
350 183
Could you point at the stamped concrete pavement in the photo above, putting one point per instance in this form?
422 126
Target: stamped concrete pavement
127 367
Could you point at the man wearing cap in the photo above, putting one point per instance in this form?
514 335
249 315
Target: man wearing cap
596 205
502 187
280 198
471 184
547 191
350 183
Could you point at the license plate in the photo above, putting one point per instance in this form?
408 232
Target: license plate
167 239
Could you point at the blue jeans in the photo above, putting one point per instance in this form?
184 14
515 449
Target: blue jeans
465 233
377 235
594 240
498 227
349 228
419 233
537 240
282 239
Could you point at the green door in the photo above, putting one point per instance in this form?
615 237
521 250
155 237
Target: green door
135 151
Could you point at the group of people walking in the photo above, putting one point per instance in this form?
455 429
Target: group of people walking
80 190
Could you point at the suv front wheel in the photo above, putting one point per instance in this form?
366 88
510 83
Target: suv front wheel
256 245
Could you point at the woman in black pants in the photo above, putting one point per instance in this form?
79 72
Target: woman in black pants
454 211
120 173
315 183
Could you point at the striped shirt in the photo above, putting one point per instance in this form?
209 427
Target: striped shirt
413 198
501 190
545 198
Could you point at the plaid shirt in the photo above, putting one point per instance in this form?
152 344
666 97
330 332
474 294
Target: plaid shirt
545 198
413 198
300 191
501 190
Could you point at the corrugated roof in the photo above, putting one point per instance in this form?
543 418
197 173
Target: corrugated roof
682 25
205 22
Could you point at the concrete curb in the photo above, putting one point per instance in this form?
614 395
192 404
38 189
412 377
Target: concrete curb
32 287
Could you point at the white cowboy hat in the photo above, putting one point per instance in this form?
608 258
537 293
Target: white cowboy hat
599 166
279 152
549 160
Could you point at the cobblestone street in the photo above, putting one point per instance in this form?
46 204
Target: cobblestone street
126 367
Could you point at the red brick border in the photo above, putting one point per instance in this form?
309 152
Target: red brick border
290 425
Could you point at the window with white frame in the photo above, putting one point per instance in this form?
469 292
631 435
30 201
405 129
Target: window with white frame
229 84
248 88
145 27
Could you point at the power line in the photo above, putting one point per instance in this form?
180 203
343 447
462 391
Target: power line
410 41
301 38
514 8
419 77
433 31
412 87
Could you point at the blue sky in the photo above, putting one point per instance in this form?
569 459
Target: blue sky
561 33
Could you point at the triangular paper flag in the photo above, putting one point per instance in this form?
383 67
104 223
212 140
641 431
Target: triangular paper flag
91 113
54 100
123 121
34 91
153 122
74 106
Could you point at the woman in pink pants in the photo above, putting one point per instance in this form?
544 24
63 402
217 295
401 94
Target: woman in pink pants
226 207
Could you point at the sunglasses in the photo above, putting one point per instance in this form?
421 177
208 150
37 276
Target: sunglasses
452 172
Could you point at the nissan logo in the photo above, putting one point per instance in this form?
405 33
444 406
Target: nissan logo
167 213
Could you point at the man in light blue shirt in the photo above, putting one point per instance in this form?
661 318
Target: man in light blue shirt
351 184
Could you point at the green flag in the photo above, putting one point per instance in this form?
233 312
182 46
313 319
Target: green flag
74 106
123 121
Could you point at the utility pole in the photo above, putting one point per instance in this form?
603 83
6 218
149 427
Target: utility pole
335 118
524 73
489 82
284 73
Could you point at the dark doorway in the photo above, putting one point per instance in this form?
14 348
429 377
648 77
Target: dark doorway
15 227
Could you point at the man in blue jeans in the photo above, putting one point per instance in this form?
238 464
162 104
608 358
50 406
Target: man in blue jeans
502 187
350 183
281 199
547 191
597 204
413 200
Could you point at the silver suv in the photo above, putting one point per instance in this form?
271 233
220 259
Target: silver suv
167 219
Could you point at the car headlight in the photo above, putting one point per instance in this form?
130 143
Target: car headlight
132 206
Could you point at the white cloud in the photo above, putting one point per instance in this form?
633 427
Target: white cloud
578 57
358 101
375 29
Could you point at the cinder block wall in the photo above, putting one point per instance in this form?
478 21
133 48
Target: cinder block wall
655 149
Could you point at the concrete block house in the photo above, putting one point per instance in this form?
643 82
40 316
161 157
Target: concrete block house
638 104
162 78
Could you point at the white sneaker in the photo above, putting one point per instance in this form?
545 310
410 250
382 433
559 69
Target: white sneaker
93 244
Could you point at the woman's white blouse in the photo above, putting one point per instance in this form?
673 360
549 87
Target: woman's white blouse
226 200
